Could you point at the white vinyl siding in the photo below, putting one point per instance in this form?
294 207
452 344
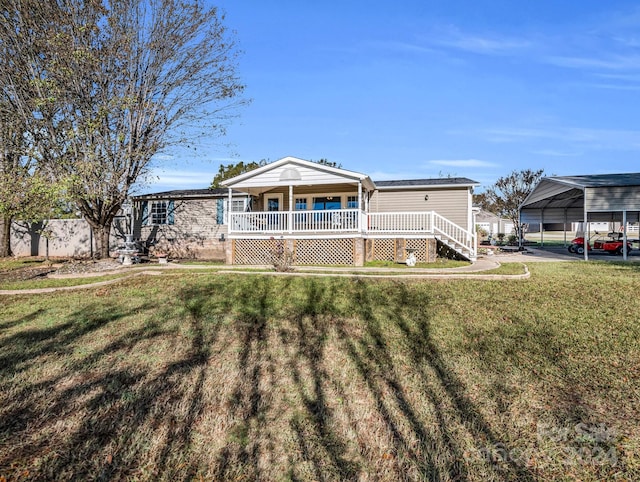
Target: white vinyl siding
307 175
453 204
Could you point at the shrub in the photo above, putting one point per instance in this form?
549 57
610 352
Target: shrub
282 257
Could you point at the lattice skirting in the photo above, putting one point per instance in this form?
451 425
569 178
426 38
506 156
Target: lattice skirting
381 249
385 249
253 251
306 251
325 251
420 249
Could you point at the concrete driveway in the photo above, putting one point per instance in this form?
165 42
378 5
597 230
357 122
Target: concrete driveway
559 253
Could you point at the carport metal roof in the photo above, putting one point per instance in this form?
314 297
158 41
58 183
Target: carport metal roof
598 197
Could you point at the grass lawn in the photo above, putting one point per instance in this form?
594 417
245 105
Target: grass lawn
250 377
439 263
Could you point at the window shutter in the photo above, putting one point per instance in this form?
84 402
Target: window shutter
220 211
145 213
170 209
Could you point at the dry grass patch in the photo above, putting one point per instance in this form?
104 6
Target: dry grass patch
260 378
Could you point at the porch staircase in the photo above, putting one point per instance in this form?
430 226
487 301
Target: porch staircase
454 237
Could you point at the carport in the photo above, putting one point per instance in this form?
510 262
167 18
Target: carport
592 198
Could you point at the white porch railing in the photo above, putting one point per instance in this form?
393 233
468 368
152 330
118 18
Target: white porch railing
400 222
333 220
355 221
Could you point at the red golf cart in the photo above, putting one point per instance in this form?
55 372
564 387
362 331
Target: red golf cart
612 243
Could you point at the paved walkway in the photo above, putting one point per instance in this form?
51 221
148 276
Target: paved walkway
472 271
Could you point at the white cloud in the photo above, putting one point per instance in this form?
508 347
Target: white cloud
395 176
163 157
617 62
179 179
480 44
462 163
618 139
557 153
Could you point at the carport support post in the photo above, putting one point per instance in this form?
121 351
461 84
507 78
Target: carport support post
624 235
542 227
585 235
520 232
565 227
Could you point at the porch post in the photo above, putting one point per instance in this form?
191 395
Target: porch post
290 216
359 217
230 198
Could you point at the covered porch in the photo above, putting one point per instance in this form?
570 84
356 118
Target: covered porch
293 196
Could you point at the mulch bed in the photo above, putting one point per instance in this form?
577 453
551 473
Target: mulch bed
67 267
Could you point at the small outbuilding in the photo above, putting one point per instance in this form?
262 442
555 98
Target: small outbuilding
587 199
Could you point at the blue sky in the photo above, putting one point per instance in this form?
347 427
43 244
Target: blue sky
417 89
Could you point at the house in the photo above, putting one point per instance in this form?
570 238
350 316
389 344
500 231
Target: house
493 224
189 223
322 214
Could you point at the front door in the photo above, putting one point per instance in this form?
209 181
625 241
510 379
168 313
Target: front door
273 203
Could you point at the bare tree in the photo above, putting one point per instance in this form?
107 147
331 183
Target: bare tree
506 195
119 81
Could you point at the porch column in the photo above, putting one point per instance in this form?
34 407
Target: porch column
359 217
229 199
290 216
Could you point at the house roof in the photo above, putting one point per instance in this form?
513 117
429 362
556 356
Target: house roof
188 193
286 169
431 183
295 171
599 180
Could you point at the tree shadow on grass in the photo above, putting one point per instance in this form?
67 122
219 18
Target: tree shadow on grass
432 452
91 418
5 325
317 442
239 457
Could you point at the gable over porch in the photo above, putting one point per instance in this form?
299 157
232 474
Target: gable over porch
292 194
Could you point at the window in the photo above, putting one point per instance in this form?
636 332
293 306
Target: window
323 203
159 212
301 204
238 205
352 202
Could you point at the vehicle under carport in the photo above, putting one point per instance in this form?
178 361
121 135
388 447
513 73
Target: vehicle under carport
587 199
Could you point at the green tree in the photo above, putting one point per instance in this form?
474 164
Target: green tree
115 83
329 163
227 171
506 195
